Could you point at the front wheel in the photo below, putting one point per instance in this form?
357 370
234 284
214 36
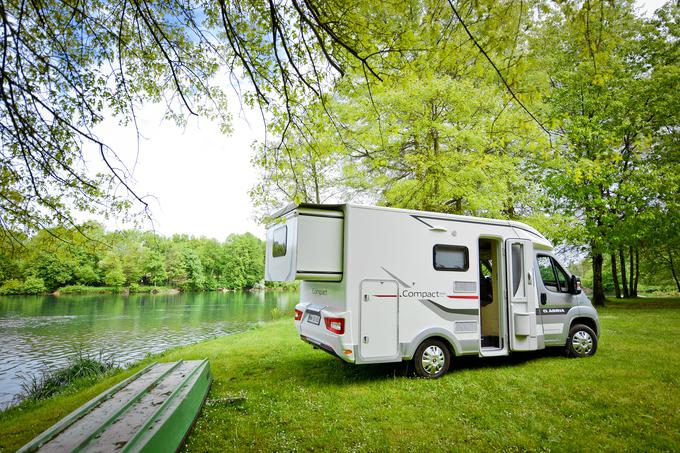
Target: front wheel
432 359
582 341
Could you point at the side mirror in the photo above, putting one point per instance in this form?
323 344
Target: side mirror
574 285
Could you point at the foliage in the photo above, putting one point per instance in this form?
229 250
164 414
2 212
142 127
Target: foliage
613 108
80 289
31 285
438 133
137 260
67 65
34 285
12 286
575 130
244 263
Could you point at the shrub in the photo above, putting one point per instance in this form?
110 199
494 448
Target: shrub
134 288
12 286
80 289
34 285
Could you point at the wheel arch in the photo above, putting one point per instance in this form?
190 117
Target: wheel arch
586 321
409 349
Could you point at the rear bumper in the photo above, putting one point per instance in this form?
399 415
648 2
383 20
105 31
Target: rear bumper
319 337
322 346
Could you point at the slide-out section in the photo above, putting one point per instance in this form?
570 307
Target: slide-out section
305 244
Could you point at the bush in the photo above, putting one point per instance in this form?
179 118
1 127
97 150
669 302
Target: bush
81 289
286 286
134 288
34 285
12 286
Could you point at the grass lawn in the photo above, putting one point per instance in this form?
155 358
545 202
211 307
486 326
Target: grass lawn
626 397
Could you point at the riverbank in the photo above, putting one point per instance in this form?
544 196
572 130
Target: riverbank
84 290
81 290
625 397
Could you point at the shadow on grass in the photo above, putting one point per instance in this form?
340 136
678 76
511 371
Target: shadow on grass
320 368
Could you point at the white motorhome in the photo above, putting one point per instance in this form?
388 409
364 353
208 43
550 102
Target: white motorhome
385 285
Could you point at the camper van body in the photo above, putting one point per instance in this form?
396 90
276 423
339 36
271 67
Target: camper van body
377 282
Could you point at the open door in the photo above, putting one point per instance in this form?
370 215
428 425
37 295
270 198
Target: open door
521 290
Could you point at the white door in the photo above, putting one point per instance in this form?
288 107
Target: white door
379 319
521 290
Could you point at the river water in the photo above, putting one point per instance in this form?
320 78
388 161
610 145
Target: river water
37 333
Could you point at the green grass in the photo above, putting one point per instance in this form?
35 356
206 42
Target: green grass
627 397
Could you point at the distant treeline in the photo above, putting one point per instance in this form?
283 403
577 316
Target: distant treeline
91 257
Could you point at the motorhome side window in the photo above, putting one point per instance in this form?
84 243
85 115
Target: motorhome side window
450 258
553 276
279 241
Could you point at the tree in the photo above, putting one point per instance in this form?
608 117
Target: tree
244 261
64 66
440 132
52 271
154 268
609 96
113 270
195 278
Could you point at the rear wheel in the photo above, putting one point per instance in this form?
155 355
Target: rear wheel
432 359
582 341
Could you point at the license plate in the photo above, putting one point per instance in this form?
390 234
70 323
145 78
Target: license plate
313 319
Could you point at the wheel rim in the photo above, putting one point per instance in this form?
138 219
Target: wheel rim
433 359
582 342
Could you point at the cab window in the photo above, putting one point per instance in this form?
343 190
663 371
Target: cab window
562 277
547 273
554 277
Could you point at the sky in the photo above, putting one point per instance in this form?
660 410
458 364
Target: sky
197 179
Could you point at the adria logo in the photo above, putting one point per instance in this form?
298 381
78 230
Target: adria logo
320 292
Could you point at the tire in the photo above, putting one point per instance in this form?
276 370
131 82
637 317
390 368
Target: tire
581 342
432 359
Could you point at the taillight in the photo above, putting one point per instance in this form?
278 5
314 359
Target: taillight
335 325
298 314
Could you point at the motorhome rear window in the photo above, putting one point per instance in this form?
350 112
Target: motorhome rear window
279 241
450 258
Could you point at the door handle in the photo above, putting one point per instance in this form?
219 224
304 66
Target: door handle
544 298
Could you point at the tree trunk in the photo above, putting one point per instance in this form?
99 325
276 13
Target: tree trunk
675 276
615 276
631 271
624 280
598 289
637 271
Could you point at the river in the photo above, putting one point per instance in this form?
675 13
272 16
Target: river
37 333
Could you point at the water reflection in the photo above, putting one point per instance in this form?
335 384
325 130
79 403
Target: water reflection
38 332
